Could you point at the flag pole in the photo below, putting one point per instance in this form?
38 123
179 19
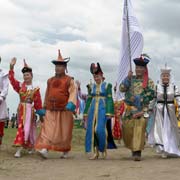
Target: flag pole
128 33
129 44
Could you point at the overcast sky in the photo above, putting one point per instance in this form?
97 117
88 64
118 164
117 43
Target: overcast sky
86 31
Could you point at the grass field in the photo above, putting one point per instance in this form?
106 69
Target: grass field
77 141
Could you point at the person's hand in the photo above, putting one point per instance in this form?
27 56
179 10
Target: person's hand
13 62
41 118
138 114
130 74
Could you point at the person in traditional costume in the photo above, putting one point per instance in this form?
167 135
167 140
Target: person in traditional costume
99 107
30 100
81 99
139 91
164 135
4 84
60 104
119 107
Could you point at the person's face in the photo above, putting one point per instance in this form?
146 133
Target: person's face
60 69
165 78
97 78
139 70
27 76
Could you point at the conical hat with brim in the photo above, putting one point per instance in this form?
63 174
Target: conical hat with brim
60 60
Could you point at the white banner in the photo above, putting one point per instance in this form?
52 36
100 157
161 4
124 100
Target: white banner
136 44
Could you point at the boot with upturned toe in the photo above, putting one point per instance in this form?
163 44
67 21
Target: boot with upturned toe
18 153
43 153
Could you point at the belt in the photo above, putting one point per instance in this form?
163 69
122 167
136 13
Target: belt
99 96
166 102
28 102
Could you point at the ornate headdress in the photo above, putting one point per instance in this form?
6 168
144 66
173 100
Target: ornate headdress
96 70
166 70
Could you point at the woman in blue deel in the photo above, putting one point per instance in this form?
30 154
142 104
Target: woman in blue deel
99 107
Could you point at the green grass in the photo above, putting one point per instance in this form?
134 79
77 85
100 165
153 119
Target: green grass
77 141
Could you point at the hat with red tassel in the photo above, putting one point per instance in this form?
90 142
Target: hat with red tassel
143 60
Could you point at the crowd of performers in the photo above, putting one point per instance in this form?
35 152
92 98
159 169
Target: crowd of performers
148 112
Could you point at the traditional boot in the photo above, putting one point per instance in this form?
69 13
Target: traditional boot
64 155
95 155
164 155
44 153
137 156
18 152
104 154
31 151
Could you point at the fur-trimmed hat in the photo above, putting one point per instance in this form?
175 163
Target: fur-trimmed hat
143 60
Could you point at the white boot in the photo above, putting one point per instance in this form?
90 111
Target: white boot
164 155
44 153
31 151
64 155
18 152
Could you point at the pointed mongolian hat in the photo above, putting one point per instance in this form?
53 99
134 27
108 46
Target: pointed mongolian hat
60 60
26 68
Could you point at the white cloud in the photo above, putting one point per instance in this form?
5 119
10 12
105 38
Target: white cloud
87 31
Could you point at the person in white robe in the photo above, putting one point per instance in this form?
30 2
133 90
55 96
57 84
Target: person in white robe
164 134
4 83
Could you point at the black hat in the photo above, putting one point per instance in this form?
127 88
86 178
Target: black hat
143 60
96 69
26 68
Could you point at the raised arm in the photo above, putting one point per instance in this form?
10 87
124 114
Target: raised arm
15 83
